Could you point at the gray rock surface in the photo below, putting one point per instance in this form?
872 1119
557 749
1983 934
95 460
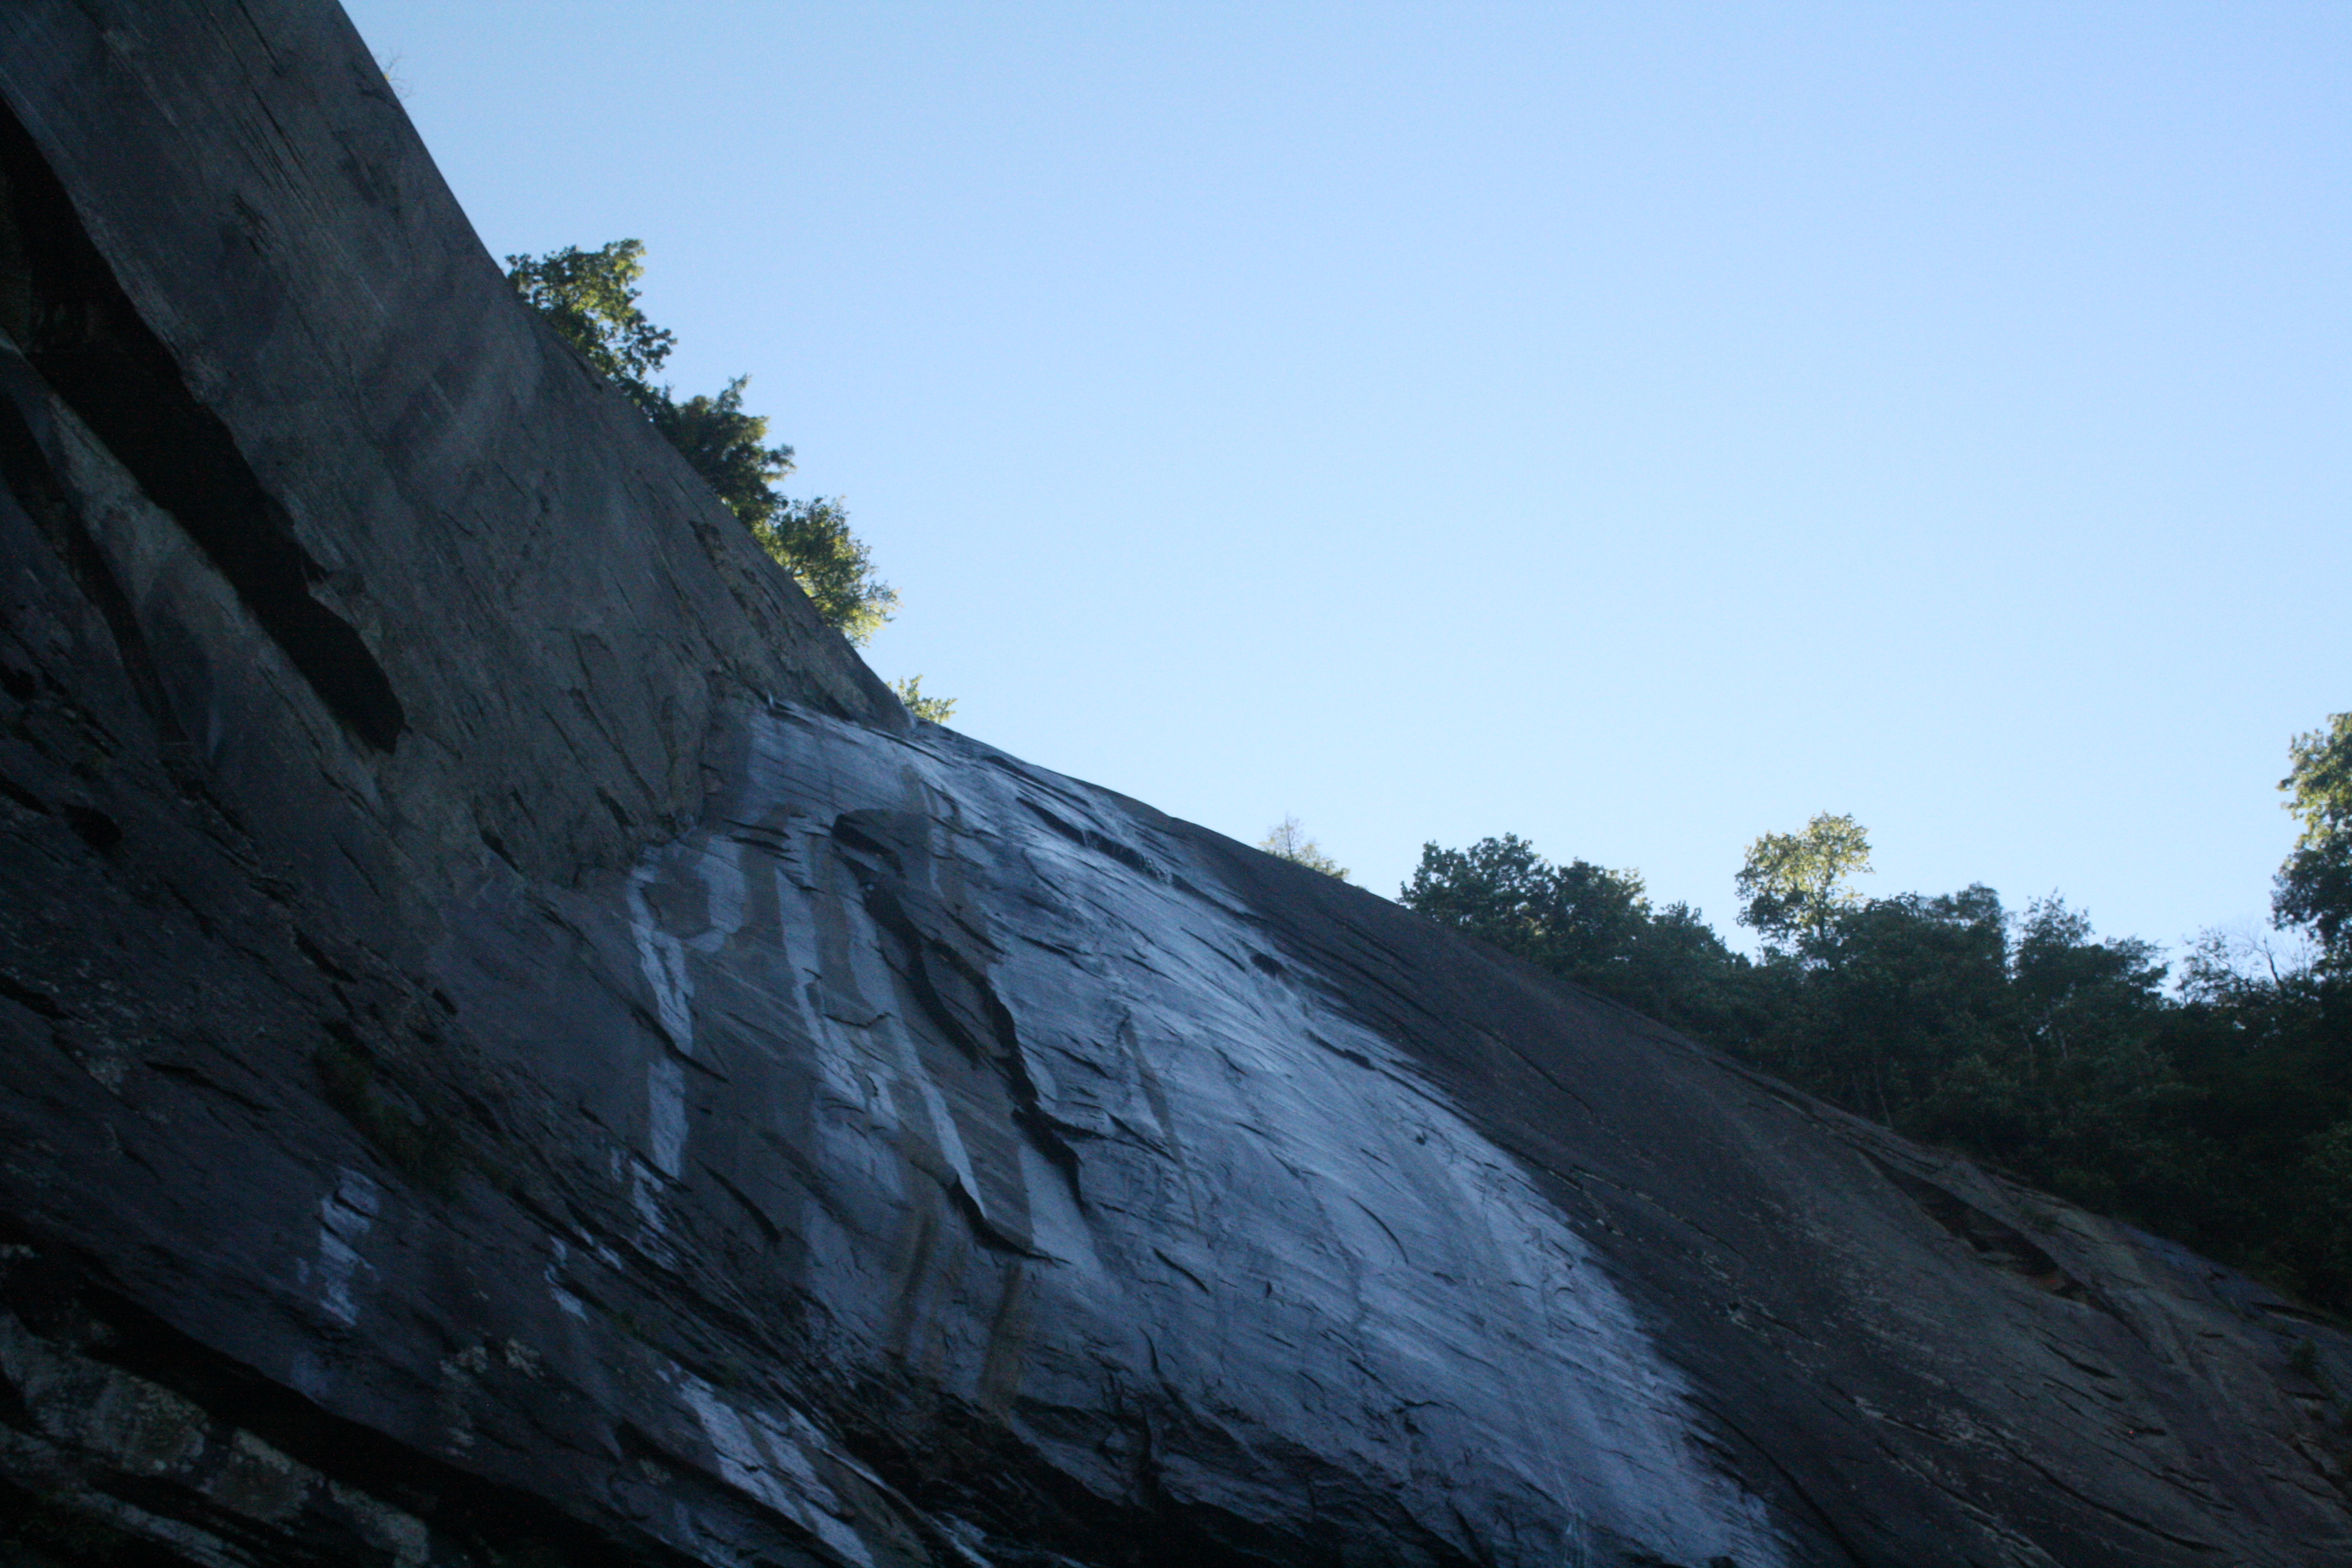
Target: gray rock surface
513 1049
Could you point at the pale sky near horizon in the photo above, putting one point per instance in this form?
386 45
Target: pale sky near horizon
1636 426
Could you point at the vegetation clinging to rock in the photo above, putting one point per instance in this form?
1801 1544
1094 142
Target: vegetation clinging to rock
1287 840
590 297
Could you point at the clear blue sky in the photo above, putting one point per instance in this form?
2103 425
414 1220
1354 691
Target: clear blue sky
1637 427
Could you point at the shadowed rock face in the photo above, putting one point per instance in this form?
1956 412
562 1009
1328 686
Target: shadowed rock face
513 1049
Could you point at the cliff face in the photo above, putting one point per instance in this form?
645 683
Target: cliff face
513 1048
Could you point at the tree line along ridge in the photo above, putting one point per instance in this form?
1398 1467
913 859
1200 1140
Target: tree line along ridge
2214 1107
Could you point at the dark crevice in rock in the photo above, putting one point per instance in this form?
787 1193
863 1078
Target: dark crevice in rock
498 846
31 478
1161 1254
63 307
322 962
93 827
32 1000
1996 1241
1086 838
180 1072
1353 1058
768 1230
10 789
984 1230
426 1148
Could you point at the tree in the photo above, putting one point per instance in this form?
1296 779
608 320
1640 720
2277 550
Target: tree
2313 889
1571 919
1286 840
2325 1189
811 539
1588 924
932 709
726 446
2077 993
1794 883
590 297
1876 1000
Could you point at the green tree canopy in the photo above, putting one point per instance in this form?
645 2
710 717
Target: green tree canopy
726 446
2076 993
931 709
1794 884
1573 919
590 297
2314 886
1587 924
1287 840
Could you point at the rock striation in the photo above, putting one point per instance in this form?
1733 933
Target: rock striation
515 1050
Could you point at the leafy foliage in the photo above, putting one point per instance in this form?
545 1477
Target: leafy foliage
590 297
1577 916
1587 924
932 709
726 446
2219 1114
811 539
1794 884
2315 885
1287 840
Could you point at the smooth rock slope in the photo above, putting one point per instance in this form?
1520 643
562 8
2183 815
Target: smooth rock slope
514 1048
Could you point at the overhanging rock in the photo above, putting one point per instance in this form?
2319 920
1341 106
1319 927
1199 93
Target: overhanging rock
512 1046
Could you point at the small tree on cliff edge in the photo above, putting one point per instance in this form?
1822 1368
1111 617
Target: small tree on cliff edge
590 297
1287 840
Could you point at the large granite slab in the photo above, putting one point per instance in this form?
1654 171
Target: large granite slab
513 1048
